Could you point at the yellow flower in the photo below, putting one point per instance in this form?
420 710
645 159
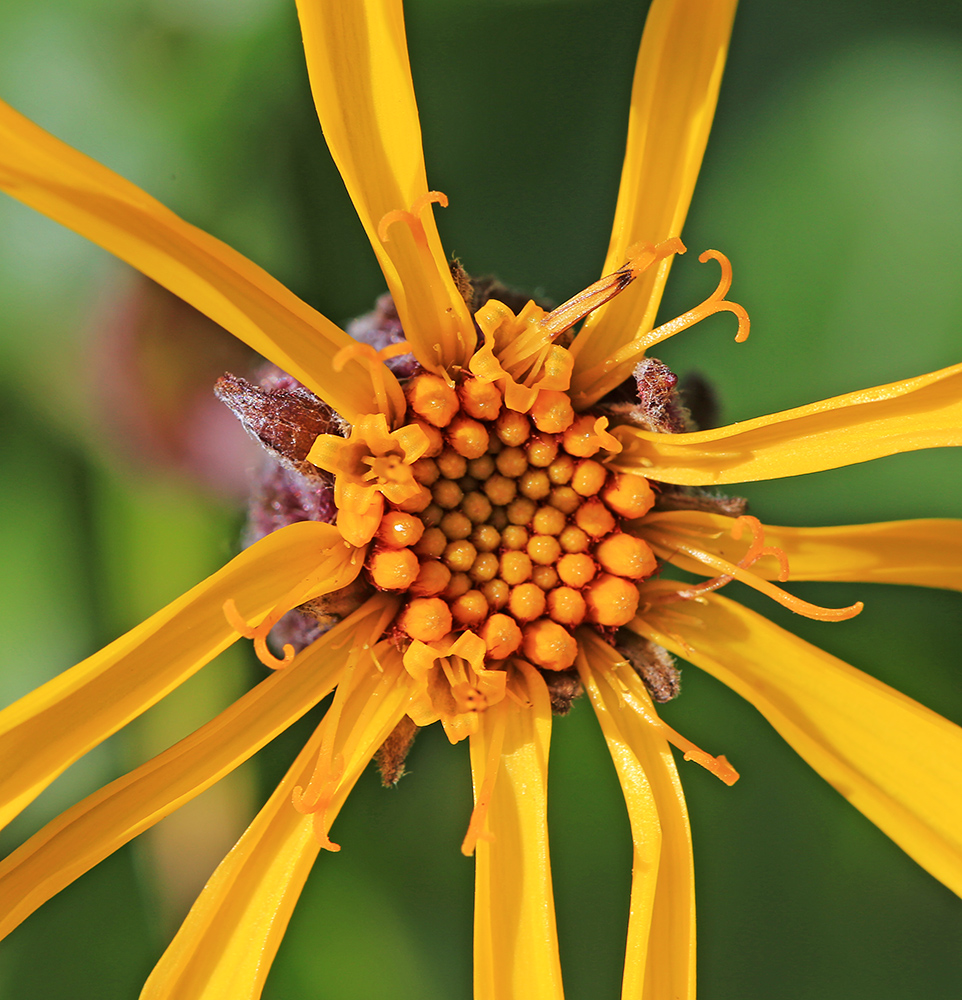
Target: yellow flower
497 525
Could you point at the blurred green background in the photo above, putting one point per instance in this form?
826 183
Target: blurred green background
832 180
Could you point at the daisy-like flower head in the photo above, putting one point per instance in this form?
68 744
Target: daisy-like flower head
500 514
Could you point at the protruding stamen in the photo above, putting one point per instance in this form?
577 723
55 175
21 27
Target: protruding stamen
613 370
640 257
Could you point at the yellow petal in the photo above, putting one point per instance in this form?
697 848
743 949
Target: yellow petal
515 939
924 552
47 730
923 412
361 79
673 101
224 949
84 835
895 760
79 193
660 952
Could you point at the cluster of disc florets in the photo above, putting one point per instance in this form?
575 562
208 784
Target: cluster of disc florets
517 529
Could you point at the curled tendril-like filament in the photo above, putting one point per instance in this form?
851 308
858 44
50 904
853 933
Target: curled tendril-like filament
716 302
259 634
411 217
740 571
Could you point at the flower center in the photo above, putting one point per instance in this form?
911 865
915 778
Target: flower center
516 532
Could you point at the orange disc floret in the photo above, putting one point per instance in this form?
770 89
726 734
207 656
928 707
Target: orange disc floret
394 569
544 549
470 608
549 645
625 555
567 606
576 569
432 578
416 503
588 478
481 400
512 428
526 602
427 619
541 451
611 600
594 518
398 529
435 440
552 411
515 567
432 399
580 438
628 495
502 635
468 437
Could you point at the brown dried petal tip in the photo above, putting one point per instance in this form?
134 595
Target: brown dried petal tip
285 421
394 750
